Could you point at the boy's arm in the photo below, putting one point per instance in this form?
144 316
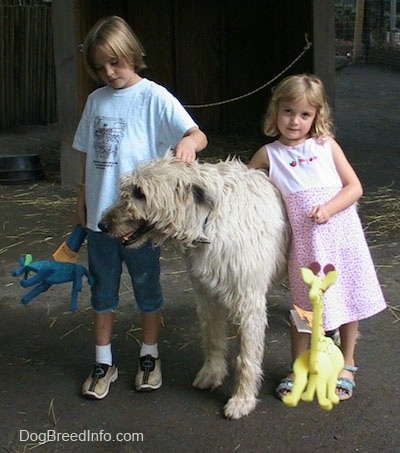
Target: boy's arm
193 141
80 210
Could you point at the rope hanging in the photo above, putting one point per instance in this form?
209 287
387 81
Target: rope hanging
227 101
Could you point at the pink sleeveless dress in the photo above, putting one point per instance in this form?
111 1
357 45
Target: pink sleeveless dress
306 176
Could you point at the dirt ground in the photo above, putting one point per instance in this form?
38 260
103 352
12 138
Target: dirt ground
46 350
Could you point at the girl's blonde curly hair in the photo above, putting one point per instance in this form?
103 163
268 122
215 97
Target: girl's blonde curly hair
292 89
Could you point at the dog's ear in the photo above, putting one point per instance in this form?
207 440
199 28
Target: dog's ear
201 196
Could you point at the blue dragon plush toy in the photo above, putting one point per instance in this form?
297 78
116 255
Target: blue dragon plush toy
46 273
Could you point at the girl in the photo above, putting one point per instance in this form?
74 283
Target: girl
320 190
129 120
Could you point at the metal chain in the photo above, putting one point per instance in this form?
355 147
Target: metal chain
213 104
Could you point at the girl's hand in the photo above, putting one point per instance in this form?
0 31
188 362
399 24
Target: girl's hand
320 214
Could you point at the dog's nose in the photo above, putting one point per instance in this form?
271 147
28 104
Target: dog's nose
103 226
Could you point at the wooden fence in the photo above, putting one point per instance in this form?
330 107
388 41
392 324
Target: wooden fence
208 52
27 78
203 51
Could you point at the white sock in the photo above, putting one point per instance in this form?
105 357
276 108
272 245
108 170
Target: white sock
104 354
149 349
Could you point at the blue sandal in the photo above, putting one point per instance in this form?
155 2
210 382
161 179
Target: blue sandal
284 387
346 385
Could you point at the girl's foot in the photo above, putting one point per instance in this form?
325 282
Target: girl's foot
345 383
285 386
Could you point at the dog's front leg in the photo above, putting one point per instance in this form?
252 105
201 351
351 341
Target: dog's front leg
248 367
213 324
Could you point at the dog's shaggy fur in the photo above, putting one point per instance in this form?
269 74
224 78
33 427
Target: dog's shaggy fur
231 222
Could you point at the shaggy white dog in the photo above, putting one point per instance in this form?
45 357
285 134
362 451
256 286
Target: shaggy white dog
231 222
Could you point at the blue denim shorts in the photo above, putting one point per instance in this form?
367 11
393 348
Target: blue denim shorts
106 256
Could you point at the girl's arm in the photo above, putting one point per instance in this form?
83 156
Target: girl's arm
259 159
351 192
193 141
80 209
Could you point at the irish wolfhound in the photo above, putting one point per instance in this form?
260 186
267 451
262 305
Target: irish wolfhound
232 225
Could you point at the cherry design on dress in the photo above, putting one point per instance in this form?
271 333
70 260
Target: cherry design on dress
301 161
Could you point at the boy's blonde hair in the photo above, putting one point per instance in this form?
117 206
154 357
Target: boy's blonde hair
292 89
114 36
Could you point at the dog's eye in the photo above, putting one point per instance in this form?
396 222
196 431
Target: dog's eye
137 193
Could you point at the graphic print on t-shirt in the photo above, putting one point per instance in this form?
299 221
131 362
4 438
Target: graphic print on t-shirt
108 133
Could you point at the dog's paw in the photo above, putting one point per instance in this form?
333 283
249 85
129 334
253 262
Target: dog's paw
209 378
238 407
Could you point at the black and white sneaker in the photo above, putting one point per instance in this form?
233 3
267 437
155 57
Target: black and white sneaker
97 385
149 375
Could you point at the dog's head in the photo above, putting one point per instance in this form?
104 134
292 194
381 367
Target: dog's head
163 199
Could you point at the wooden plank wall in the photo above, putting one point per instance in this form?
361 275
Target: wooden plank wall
207 51
262 38
203 51
27 80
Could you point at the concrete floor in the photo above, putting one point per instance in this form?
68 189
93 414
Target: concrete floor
46 351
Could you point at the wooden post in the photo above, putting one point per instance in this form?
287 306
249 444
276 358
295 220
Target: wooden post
323 40
358 29
65 55
392 24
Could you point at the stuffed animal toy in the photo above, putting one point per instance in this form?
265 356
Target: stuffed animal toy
46 273
68 250
317 369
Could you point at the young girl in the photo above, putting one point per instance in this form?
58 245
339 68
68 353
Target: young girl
320 190
129 120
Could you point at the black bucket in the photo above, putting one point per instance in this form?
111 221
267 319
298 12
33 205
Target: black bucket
20 169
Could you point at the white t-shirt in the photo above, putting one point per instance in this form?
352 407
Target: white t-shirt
119 129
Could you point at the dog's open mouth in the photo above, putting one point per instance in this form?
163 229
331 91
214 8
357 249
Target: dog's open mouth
133 236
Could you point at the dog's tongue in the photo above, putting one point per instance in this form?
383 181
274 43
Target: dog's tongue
128 239
133 236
